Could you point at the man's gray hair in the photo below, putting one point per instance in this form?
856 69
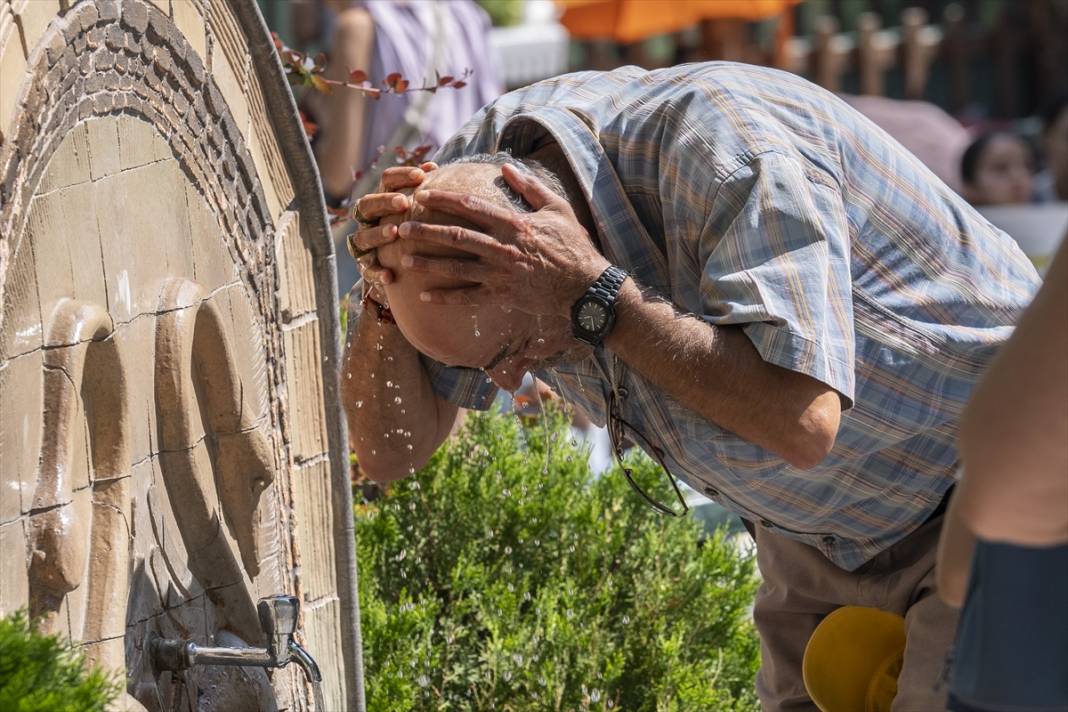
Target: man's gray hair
501 158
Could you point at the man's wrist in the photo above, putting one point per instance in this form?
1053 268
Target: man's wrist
591 273
630 296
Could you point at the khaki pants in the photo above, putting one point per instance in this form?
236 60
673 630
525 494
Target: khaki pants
801 586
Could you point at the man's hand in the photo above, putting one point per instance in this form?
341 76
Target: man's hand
539 263
371 208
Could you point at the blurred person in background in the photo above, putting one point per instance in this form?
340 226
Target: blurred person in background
419 40
1004 548
997 169
1052 183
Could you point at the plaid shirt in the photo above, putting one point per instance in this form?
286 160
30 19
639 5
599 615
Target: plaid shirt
750 196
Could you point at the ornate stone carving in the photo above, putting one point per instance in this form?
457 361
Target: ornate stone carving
170 443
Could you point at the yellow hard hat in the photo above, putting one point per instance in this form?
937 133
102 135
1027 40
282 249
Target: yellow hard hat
853 659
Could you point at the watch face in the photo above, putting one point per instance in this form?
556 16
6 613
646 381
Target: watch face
593 317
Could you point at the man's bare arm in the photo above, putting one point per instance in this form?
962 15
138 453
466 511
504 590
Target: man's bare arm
545 262
396 421
717 373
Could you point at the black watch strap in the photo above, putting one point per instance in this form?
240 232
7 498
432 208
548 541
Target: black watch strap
607 286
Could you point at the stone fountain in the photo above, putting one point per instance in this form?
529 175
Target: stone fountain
171 444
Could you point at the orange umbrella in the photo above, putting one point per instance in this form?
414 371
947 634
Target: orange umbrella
628 21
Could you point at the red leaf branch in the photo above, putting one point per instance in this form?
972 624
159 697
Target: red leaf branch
302 70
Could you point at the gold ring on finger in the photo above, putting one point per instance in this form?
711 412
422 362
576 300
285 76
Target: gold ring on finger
359 217
363 253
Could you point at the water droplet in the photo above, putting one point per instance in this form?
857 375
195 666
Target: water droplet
359 404
478 333
389 384
397 400
507 550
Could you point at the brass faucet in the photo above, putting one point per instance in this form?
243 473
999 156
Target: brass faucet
278 619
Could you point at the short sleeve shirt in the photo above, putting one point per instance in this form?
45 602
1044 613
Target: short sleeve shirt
751 197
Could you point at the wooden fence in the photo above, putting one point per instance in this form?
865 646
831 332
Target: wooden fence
1012 66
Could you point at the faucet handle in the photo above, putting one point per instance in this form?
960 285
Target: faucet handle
278 619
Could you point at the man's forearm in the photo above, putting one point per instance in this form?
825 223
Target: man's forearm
718 373
396 421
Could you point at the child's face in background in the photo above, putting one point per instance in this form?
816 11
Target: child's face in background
1003 173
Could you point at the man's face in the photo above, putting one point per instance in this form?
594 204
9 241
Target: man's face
504 343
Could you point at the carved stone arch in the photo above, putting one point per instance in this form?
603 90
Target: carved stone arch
171 445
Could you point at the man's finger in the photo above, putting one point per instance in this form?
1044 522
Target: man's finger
372 237
397 177
533 190
461 238
466 270
375 206
471 208
377 274
463 296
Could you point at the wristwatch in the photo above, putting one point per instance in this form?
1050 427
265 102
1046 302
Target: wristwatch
594 313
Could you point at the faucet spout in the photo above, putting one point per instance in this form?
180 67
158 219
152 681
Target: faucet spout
306 661
278 617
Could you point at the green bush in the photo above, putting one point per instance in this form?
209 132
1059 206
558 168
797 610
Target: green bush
41 673
505 577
